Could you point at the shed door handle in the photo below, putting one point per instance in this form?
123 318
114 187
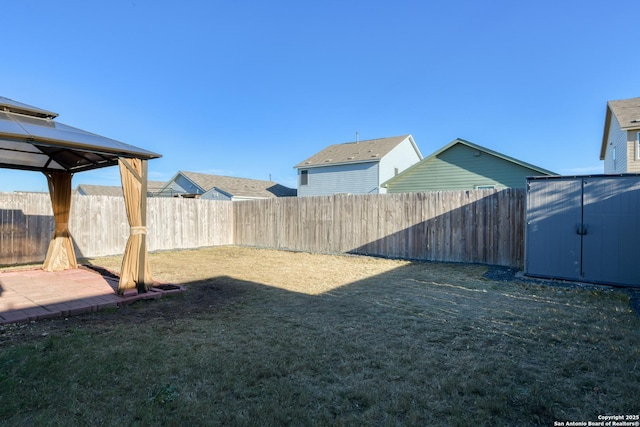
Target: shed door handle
581 229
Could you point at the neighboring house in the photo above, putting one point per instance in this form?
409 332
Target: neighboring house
216 187
621 137
462 165
356 167
107 190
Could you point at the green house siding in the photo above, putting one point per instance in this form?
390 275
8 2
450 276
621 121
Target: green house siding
461 167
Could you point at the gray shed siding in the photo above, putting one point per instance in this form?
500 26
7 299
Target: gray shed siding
461 168
584 228
358 178
553 211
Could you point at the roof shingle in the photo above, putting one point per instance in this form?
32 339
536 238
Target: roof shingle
627 111
371 150
109 190
239 187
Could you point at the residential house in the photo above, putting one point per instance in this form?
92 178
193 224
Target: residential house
356 167
216 187
621 137
107 190
462 165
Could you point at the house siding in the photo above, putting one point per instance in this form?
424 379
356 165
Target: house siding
462 168
181 185
633 163
358 178
214 194
401 157
617 139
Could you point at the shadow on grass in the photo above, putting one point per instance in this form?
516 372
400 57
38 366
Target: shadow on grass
421 344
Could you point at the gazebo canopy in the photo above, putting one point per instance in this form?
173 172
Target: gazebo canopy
30 139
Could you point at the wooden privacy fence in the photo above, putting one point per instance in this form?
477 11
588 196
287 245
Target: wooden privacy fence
480 226
26 227
99 225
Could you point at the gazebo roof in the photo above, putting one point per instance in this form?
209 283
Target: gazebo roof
30 139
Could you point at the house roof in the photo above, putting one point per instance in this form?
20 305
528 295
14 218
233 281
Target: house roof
627 112
99 190
108 190
31 140
155 186
238 187
475 147
371 150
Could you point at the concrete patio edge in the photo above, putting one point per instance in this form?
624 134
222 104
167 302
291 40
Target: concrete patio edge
28 295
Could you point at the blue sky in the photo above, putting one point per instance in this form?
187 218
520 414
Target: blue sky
250 88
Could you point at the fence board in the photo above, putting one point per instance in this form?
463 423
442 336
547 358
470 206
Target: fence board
99 225
481 226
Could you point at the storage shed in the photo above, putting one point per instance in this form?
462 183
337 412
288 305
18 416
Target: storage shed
584 228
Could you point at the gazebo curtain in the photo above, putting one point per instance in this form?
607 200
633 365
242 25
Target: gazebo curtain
135 272
60 255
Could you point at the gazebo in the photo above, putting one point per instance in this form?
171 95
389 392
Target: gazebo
30 139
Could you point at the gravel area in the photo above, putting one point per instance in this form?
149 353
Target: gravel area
507 274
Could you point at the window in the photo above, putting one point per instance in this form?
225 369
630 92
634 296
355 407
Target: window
615 159
485 187
304 177
638 145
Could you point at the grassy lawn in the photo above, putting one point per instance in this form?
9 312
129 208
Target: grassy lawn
279 338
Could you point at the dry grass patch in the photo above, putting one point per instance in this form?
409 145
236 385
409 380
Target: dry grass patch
282 338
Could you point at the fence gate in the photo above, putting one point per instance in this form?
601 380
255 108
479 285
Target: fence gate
584 228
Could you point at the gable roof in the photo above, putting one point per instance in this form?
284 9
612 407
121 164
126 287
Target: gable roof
108 190
238 187
627 112
372 150
475 147
154 187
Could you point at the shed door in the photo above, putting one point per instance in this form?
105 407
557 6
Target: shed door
554 210
584 229
612 220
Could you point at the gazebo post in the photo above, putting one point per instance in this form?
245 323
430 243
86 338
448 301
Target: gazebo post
30 139
143 219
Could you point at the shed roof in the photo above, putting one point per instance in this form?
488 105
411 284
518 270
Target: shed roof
239 187
31 140
372 150
626 112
